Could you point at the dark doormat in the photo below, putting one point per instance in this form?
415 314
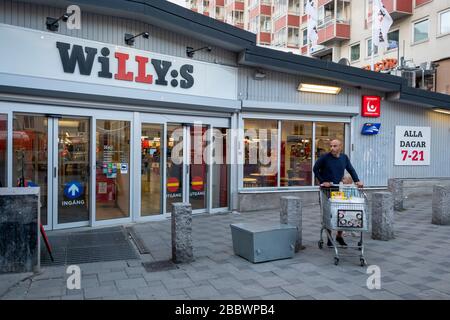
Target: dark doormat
108 244
154 266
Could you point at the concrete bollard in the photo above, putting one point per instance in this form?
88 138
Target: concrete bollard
182 250
291 213
396 187
441 205
382 216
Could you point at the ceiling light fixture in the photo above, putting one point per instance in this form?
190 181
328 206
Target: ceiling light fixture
446 111
315 88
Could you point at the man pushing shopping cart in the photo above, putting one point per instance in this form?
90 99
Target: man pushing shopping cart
348 209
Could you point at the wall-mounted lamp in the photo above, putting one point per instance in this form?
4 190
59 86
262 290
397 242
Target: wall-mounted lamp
440 110
259 75
315 88
129 38
52 23
190 51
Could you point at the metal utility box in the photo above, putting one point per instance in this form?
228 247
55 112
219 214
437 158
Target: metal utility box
259 242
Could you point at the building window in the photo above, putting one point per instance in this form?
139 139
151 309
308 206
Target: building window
296 153
253 25
280 7
266 24
3 149
325 132
305 37
261 148
293 37
355 52
444 22
369 48
420 31
238 16
220 13
294 7
393 39
279 38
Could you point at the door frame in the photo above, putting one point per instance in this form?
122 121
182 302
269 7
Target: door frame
10 108
185 122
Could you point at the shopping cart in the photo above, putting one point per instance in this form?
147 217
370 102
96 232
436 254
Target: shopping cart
344 208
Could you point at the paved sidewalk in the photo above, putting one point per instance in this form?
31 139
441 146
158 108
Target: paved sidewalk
416 265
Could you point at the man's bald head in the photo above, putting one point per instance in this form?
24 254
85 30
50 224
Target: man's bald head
336 147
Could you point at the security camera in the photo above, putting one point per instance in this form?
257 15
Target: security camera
209 49
145 35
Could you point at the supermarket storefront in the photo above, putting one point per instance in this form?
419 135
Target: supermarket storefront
99 162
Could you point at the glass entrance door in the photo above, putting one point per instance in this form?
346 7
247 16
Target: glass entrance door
186 166
152 148
72 165
32 158
53 153
197 173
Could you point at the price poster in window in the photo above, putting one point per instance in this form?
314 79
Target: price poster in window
412 146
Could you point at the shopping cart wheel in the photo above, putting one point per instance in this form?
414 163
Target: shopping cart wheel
320 244
363 262
336 261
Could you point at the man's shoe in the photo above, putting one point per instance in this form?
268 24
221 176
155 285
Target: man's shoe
329 243
341 241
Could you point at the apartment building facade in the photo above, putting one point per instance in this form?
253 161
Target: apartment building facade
418 37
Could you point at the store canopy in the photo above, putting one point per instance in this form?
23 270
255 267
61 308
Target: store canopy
175 18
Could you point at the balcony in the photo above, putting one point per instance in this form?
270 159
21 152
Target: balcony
287 20
304 50
234 5
260 10
265 37
399 8
334 32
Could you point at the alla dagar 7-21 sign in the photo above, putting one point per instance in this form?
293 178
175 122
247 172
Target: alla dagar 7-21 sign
412 146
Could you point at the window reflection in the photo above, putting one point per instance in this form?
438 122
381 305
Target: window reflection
296 153
261 153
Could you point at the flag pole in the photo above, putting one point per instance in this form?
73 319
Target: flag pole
372 42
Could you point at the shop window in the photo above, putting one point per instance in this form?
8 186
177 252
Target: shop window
261 148
420 31
325 132
3 149
296 153
355 52
113 169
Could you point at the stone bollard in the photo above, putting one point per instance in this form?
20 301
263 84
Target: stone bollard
441 205
291 213
19 230
382 216
396 187
182 250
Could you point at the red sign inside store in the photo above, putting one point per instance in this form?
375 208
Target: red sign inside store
173 185
197 183
371 106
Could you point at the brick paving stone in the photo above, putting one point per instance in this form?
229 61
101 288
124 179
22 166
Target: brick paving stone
416 264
